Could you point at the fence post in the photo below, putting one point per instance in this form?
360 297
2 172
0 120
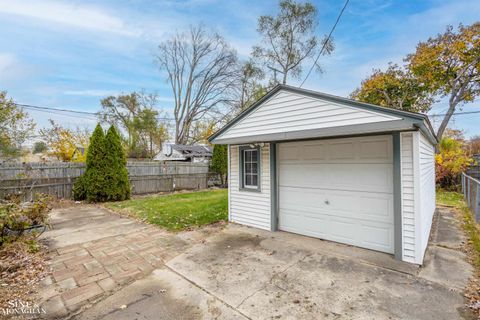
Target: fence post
477 204
64 182
467 187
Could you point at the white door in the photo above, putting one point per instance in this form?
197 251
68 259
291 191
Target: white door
339 190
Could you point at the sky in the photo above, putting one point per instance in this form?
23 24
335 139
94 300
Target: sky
70 54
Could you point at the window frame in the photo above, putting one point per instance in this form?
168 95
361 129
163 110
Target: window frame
243 175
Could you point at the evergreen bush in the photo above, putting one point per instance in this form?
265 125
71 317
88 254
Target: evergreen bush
219 162
96 167
79 189
117 185
106 175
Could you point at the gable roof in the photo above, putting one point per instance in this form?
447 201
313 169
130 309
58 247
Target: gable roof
402 120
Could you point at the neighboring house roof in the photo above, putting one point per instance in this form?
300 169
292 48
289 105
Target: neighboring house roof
79 149
193 150
269 124
183 152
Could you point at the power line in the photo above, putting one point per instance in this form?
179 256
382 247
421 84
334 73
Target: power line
454 114
76 116
325 42
95 114
29 106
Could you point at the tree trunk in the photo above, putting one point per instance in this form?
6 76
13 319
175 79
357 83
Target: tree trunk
151 146
445 120
284 81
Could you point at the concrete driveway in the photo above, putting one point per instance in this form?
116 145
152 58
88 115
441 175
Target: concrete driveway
245 273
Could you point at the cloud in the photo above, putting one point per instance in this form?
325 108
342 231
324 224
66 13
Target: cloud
12 69
91 93
7 61
79 16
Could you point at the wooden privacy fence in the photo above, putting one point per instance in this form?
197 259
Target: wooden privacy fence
471 193
57 178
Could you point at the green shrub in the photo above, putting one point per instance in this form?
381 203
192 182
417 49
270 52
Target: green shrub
220 161
96 167
117 185
80 189
106 175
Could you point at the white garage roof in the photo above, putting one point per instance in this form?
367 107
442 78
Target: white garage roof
290 113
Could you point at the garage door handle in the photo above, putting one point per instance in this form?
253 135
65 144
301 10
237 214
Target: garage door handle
327 202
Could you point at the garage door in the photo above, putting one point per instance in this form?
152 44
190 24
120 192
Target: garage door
339 190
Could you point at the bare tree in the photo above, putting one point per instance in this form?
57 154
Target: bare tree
289 38
201 69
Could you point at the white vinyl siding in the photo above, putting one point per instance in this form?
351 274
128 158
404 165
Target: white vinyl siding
250 207
427 188
418 194
288 112
408 195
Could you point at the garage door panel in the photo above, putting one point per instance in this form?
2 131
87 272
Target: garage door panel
377 236
365 177
357 205
339 190
316 225
367 235
375 149
343 229
352 150
315 151
341 151
289 152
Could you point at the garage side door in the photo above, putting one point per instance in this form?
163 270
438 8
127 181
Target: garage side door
339 190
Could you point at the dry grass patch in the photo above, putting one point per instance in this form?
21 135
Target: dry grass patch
472 231
22 267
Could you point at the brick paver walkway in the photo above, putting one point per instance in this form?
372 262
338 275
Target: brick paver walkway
84 272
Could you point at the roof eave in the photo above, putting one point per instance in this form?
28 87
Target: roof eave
411 115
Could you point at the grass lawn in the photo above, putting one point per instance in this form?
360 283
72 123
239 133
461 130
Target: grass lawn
179 211
472 229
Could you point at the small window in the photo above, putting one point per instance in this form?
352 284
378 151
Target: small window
251 163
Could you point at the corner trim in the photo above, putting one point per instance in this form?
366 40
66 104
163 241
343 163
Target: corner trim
397 196
273 188
419 253
229 192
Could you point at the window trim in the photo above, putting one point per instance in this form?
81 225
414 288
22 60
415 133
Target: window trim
242 176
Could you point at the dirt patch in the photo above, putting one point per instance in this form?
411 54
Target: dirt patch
20 272
238 241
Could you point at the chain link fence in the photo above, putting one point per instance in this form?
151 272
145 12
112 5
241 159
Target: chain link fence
471 192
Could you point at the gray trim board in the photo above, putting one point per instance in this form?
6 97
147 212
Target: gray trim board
421 119
273 187
240 169
397 195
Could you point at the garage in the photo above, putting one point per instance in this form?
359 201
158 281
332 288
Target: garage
339 190
332 168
